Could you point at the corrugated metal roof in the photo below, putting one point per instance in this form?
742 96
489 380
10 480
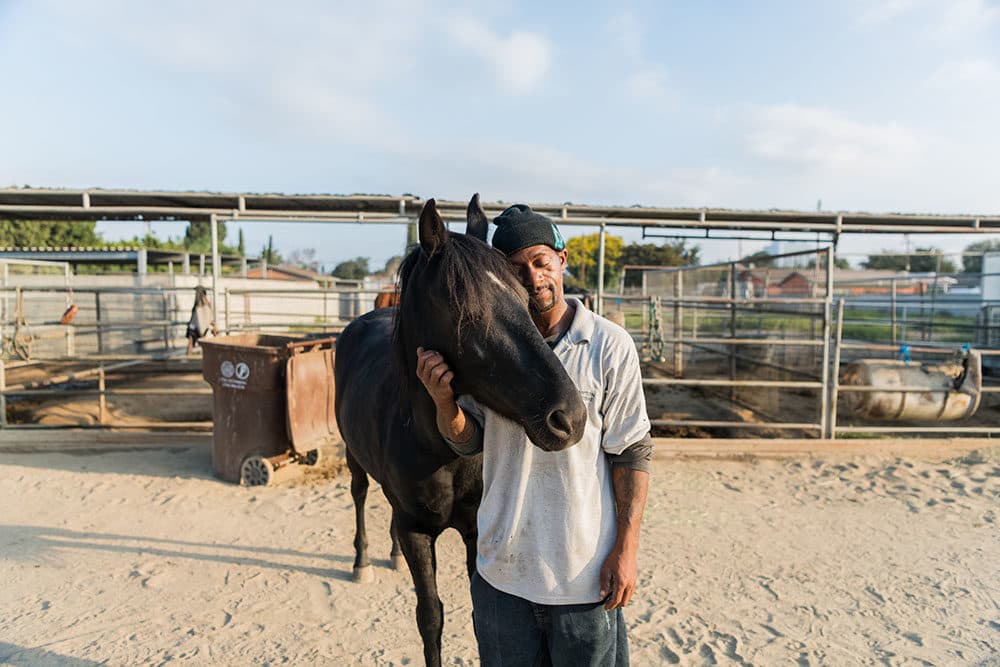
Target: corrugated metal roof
97 204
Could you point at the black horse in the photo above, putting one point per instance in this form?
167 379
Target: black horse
460 298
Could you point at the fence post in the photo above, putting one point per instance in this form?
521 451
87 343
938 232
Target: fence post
678 324
732 327
827 302
226 314
835 387
895 331
165 299
97 322
3 392
600 271
102 405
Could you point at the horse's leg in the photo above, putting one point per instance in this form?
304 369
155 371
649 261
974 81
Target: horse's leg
470 538
359 491
396 555
465 523
420 556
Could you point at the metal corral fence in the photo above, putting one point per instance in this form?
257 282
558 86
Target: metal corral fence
726 331
114 329
777 349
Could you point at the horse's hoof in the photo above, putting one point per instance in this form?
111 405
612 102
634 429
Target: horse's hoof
364 575
398 562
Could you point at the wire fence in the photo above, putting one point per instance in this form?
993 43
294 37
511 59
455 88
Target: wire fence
739 348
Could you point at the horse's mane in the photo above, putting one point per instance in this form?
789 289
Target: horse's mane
463 263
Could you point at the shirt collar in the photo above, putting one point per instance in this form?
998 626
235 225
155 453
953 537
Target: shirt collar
584 321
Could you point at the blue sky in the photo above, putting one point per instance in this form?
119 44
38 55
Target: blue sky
885 105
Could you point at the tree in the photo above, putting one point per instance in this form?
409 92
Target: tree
269 254
241 246
198 237
352 269
974 263
926 262
48 234
838 263
583 255
758 259
304 258
392 265
652 254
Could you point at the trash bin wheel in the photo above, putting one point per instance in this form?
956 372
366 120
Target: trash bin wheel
256 471
312 457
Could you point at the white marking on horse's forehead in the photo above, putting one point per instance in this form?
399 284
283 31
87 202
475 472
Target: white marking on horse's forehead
497 280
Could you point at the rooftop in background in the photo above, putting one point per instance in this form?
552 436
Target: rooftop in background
285 272
112 255
51 204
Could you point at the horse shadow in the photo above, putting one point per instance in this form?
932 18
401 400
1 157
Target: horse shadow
12 654
37 543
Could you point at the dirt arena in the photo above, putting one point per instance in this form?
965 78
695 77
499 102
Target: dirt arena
860 557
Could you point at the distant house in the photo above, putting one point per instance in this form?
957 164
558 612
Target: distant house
851 282
285 272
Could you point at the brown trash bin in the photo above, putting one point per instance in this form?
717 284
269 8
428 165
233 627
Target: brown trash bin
273 403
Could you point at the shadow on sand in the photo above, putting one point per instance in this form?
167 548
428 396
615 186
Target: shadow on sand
35 543
12 654
186 461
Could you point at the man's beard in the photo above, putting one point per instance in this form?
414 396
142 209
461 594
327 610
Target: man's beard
542 300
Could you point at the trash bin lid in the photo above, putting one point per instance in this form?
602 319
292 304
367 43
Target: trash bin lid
312 420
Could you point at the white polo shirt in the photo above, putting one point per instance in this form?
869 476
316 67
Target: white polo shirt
547 519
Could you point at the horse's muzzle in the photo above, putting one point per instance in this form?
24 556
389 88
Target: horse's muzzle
565 425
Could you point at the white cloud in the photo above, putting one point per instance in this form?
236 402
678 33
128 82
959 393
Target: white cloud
822 138
965 15
644 82
627 32
648 84
942 19
882 11
521 60
974 72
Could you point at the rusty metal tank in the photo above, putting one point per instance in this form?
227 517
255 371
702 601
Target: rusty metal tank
943 392
273 403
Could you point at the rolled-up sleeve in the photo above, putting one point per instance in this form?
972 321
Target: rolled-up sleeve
474 413
636 456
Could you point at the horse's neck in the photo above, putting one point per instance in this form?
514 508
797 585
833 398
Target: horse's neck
424 421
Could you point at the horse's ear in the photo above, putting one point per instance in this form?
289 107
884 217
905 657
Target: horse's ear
476 223
433 233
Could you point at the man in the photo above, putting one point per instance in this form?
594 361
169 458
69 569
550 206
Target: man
558 531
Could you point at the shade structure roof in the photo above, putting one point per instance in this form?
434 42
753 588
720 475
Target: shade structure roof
99 204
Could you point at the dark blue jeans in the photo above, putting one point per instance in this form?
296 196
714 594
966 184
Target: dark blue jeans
513 632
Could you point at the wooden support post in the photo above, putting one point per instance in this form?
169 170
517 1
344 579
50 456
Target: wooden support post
102 405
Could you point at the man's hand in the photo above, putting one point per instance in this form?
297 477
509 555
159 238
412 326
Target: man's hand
618 577
620 571
436 376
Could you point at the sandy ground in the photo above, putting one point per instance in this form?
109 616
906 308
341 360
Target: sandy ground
141 557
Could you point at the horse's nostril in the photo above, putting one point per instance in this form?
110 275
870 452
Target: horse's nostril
559 424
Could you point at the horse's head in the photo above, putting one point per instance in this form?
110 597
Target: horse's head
461 298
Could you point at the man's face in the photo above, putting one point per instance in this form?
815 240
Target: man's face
540 270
